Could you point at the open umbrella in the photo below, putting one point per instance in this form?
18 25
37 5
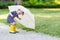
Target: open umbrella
27 19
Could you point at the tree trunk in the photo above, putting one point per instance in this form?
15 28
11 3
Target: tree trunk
18 2
8 0
3 0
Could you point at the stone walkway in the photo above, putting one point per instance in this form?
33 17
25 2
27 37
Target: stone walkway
23 35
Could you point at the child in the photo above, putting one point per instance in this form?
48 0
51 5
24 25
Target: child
10 19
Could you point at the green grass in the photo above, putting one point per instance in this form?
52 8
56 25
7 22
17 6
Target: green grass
49 26
42 11
3 11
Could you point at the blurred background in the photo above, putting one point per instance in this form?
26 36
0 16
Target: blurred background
31 3
46 13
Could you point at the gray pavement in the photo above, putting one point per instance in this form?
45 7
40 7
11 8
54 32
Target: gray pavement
23 35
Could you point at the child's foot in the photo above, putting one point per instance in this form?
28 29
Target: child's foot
13 32
17 32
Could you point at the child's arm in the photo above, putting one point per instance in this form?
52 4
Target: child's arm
18 17
22 13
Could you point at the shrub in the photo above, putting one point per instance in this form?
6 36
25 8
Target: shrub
41 4
6 4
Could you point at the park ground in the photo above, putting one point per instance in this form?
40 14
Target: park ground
47 21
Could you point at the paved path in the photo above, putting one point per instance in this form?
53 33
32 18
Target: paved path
22 35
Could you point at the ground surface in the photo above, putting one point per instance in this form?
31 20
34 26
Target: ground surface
23 35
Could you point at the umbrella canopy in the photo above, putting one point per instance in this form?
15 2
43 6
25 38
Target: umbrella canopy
27 19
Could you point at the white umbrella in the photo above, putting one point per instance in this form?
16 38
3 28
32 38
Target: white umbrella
27 19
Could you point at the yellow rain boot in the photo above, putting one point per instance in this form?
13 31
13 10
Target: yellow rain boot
12 29
15 29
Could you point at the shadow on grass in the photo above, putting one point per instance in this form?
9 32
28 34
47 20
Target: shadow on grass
24 28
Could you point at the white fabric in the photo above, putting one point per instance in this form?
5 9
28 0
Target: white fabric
10 14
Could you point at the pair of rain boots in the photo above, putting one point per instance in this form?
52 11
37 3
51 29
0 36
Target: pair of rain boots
13 29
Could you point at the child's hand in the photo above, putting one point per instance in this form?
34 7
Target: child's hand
22 13
19 18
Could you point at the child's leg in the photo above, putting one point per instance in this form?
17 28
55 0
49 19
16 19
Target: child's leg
13 27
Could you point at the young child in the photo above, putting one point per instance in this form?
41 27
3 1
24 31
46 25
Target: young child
11 21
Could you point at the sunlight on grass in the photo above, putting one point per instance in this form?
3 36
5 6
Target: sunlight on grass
46 16
4 16
57 1
52 9
4 11
49 26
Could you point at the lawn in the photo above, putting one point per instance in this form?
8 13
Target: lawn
46 21
3 11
